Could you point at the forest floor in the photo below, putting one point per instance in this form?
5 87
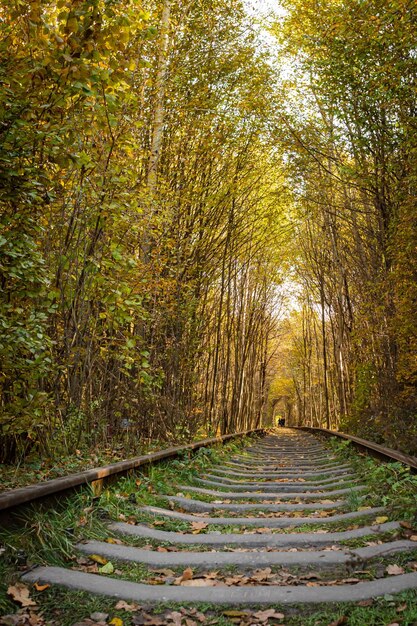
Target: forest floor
50 537
36 468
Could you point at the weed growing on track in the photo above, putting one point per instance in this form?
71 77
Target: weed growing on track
65 607
390 484
47 534
43 536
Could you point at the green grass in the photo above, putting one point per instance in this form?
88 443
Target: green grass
382 613
41 534
67 607
390 484
45 536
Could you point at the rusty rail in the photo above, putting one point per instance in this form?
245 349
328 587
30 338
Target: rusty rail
381 452
22 495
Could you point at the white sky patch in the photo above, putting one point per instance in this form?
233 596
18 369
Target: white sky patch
264 7
263 14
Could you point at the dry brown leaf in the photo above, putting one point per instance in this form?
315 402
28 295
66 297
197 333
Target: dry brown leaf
351 580
407 525
164 572
186 575
39 587
20 593
122 605
174 616
394 570
261 574
236 580
413 538
197 527
35 620
199 582
156 581
264 616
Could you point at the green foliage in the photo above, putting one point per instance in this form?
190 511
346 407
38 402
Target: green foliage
110 288
352 164
392 484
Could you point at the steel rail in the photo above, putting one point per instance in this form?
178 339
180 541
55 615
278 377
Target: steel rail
23 495
381 452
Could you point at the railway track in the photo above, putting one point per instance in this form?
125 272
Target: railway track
283 522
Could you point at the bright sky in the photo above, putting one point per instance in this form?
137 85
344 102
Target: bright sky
264 6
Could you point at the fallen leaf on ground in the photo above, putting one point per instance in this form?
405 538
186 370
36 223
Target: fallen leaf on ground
39 587
116 621
125 606
198 527
381 520
107 569
198 582
98 559
264 616
261 574
405 524
186 575
176 618
164 572
24 616
394 570
20 593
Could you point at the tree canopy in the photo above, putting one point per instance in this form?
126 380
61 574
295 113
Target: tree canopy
204 216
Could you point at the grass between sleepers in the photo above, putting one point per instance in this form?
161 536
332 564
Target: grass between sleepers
45 537
65 607
41 535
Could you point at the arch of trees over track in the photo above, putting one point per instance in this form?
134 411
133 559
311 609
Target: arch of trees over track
207 219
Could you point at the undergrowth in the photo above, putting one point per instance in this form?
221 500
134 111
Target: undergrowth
391 484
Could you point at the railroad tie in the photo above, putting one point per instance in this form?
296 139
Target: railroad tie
282 522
